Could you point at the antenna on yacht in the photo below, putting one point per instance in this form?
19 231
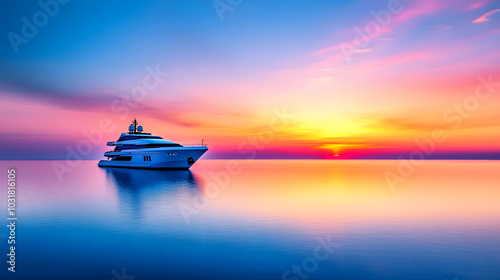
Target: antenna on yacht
134 123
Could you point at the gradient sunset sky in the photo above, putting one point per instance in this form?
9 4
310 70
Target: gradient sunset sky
363 79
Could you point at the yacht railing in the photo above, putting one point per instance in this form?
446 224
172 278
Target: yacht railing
186 145
194 145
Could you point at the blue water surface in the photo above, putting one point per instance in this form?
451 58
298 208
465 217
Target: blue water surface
261 219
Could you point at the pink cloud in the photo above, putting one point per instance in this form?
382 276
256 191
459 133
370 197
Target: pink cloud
335 59
484 17
394 60
362 36
476 5
422 9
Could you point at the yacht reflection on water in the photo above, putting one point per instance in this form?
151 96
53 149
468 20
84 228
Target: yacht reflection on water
137 179
142 190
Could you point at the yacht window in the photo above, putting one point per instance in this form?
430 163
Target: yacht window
130 147
123 158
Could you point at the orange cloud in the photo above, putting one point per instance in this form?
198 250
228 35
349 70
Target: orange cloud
484 17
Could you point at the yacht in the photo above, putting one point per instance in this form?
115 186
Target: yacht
138 149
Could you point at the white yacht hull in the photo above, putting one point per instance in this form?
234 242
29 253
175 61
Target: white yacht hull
155 158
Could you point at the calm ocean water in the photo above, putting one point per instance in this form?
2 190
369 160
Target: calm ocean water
260 219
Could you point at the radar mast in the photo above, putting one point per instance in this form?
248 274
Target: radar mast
134 123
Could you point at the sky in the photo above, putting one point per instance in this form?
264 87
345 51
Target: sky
265 79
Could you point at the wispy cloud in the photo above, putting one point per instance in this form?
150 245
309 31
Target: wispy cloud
441 27
484 17
476 5
173 111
